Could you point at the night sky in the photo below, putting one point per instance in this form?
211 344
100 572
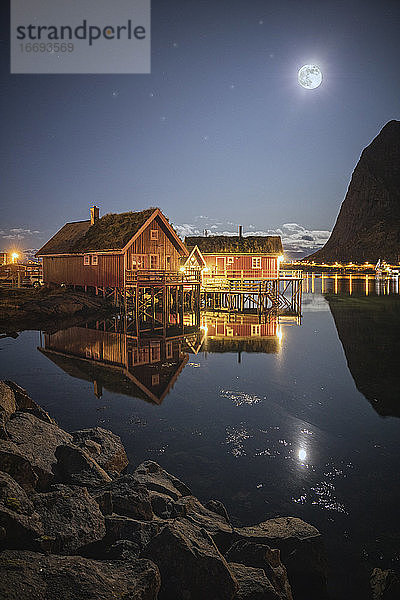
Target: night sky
220 133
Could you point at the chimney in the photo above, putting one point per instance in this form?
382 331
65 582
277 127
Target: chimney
240 231
94 214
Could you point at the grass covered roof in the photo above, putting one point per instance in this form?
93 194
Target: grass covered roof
111 232
226 244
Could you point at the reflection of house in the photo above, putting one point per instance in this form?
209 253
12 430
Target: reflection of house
144 368
237 257
110 251
240 333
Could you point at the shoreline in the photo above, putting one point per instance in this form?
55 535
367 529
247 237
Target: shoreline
43 308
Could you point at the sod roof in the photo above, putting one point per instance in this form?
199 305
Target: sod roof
111 232
227 244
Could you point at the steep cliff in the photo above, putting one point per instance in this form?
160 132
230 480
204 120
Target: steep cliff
368 224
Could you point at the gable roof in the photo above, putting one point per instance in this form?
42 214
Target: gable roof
195 255
111 232
226 244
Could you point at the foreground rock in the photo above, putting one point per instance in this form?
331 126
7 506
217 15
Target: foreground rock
37 441
104 446
385 585
301 551
190 564
71 519
64 495
32 576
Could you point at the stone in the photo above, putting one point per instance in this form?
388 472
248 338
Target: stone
129 497
301 550
253 583
19 522
22 401
104 500
261 556
217 507
75 466
70 517
37 441
190 564
385 585
133 530
13 462
216 525
33 576
104 446
7 399
154 478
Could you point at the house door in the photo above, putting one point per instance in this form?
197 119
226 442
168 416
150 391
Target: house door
220 270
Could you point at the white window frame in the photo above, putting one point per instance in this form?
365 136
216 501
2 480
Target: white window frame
86 260
256 262
229 260
154 234
95 260
255 329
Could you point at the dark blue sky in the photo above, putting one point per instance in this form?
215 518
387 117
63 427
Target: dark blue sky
220 129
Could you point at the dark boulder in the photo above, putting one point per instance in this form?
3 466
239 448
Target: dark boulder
37 441
301 549
33 576
262 557
13 462
385 585
75 466
190 564
253 583
154 478
70 517
104 446
129 497
133 530
19 523
17 398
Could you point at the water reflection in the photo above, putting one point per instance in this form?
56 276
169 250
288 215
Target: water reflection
142 368
369 330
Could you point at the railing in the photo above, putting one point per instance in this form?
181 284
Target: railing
155 276
256 274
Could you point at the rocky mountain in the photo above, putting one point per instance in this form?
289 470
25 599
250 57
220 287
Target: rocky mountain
368 224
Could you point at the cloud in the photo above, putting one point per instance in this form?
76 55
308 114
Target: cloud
18 233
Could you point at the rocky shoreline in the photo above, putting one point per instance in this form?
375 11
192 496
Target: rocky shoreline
75 525
29 308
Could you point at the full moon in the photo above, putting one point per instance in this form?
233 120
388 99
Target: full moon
310 77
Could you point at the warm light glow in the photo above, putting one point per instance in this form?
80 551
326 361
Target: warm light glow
14 256
204 328
280 258
182 269
206 269
279 334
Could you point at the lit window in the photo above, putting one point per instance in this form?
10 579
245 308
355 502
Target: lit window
230 260
154 234
255 329
256 262
155 379
95 259
86 259
168 350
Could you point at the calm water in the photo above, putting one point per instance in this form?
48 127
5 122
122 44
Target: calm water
288 418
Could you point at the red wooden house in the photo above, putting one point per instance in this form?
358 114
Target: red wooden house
237 257
111 251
